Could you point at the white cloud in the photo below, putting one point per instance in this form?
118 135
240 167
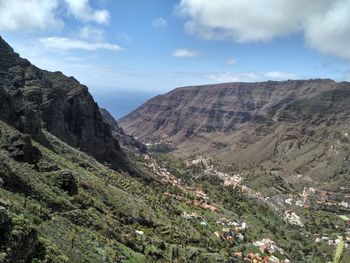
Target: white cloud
250 76
28 15
329 32
324 23
19 15
160 22
83 11
92 33
185 53
231 62
65 44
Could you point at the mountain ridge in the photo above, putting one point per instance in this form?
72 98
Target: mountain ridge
239 104
290 125
61 201
59 104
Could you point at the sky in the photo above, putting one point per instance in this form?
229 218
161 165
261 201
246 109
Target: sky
127 51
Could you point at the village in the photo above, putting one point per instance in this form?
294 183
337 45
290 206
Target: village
233 230
228 230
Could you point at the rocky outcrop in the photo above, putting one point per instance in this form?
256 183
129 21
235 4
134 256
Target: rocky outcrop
67 182
21 149
11 181
16 113
32 99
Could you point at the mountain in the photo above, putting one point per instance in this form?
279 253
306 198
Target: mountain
294 126
36 99
68 190
188 111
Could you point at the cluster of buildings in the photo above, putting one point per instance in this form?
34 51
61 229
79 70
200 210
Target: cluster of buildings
227 230
267 245
231 231
257 258
332 242
310 197
235 180
163 173
164 144
201 199
325 198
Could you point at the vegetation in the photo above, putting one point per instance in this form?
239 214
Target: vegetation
68 207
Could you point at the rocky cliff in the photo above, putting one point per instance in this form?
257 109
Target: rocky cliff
295 125
219 108
58 204
33 99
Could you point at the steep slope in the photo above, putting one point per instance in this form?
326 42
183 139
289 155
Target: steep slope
59 204
36 99
125 140
217 108
68 207
296 126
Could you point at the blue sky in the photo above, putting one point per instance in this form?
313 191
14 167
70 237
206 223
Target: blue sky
147 47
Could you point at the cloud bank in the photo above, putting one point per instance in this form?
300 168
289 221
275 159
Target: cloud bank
83 11
30 15
19 15
325 24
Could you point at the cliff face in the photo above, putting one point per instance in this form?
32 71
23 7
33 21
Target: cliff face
32 99
220 108
298 126
12 107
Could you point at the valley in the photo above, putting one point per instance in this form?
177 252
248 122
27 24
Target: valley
283 144
240 173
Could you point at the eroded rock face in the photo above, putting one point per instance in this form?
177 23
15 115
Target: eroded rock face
70 113
187 111
16 113
32 99
12 107
299 126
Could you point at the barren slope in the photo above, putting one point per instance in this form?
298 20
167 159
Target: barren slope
295 125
